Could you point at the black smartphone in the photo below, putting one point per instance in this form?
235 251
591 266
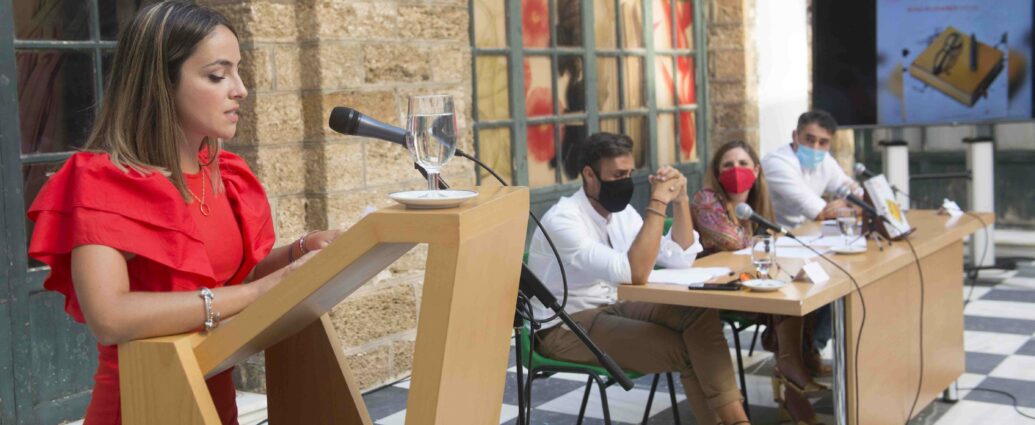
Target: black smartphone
733 285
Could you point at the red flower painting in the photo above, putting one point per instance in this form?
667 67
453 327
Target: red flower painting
687 93
535 23
540 136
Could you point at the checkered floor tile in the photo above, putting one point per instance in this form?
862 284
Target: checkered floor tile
999 340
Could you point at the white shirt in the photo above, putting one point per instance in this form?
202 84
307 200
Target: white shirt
797 193
594 251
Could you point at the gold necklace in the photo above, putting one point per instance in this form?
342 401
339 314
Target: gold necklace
201 201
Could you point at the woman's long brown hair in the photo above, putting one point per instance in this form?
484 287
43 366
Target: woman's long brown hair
137 124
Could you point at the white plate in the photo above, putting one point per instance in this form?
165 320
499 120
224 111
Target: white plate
848 250
764 285
428 199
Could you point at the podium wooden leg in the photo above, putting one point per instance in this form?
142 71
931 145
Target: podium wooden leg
308 381
466 317
161 384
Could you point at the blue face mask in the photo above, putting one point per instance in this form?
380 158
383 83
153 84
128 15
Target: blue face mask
810 158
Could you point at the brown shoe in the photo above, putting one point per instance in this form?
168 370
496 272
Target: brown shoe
814 363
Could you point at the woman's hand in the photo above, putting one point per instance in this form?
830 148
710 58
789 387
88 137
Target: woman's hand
320 239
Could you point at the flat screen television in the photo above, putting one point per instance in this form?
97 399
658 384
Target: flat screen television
923 62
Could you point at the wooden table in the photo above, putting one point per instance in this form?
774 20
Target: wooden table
888 358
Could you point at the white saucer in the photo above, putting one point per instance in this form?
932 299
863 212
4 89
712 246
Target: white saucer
764 285
429 199
848 250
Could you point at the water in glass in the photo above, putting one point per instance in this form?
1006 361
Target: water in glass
431 138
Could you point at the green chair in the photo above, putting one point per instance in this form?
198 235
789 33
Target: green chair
540 366
738 322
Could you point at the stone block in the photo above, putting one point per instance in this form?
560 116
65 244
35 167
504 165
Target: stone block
727 116
402 357
257 69
370 368
726 36
727 11
336 19
378 104
386 163
270 118
287 68
396 63
371 316
726 64
332 65
272 22
433 22
726 92
282 169
251 374
413 261
451 64
334 166
289 218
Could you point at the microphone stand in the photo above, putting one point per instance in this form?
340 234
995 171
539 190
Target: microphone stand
530 286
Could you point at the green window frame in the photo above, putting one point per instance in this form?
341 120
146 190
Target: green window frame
515 124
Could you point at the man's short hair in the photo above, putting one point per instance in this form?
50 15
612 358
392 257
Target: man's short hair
596 147
819 117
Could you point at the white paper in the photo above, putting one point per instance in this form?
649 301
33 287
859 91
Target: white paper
689 276
816 273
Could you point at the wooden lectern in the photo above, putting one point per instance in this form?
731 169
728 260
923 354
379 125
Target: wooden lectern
463 331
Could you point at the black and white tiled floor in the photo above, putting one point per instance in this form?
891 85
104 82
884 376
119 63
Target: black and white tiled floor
999 331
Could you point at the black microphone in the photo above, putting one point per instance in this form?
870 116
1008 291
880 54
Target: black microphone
352 122
845 192
860 170
744 212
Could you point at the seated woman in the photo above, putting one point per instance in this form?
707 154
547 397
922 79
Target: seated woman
153 229
733 177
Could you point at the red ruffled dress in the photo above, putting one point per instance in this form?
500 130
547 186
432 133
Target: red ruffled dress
90 201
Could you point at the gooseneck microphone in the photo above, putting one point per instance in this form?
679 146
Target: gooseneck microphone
354 123
845 192
860 170
744 212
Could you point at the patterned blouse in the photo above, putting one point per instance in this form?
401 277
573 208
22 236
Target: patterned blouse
719 229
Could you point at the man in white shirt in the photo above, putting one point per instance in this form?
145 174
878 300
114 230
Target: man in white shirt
603 242
801 172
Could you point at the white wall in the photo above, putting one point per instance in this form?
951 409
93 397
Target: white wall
783 69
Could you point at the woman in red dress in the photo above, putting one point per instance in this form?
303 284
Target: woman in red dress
153 229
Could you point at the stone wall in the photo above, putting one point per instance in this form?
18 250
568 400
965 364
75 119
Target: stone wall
732 79
301 59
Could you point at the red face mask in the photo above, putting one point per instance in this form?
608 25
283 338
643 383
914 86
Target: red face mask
737 180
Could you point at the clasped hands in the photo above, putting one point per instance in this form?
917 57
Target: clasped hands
667 185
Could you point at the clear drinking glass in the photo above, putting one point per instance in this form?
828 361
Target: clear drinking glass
846 223
763 254
431 133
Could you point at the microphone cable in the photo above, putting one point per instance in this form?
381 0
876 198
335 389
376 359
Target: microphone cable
862 322
564 277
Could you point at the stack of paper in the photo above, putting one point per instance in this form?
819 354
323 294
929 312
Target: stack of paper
689 276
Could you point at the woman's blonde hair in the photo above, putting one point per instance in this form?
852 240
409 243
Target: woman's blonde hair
758 196
137 123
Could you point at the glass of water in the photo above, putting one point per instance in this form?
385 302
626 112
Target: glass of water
763 254
846 223
431 133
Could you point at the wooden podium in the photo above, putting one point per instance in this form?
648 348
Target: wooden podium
463 331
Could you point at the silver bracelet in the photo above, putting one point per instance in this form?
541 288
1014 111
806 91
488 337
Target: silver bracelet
211 317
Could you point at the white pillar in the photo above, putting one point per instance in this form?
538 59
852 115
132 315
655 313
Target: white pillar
981 194
896 168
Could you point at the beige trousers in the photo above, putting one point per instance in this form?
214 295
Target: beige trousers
654 338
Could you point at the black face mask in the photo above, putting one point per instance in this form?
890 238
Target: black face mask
615 194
